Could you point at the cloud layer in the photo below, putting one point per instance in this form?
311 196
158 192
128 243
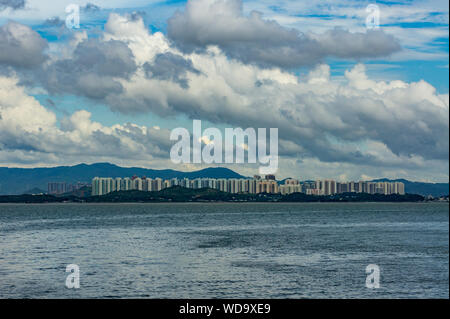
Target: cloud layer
12 4
31 133
253 39
91 70
20 46
228 69
317 116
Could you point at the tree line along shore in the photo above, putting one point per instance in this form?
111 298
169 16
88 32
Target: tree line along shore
181 194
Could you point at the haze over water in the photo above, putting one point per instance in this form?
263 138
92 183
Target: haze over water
230 250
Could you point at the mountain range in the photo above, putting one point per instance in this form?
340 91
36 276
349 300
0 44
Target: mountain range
21 180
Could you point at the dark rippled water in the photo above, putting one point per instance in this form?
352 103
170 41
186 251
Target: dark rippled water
224 250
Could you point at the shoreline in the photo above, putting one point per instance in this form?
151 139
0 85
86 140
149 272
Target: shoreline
216 202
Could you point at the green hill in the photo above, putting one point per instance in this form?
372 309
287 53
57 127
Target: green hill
181 194
173 194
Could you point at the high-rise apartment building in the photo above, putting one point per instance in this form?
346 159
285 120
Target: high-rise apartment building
256 185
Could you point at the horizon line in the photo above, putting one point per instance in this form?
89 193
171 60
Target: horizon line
211 167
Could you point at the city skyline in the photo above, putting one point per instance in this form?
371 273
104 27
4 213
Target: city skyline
255 185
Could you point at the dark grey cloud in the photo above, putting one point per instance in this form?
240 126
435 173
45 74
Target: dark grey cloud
97 143
12 4
23 141
170 67
110 58
407 120
54 22
427 135
343 44
20 46
136 15
90 7
253 39
91 70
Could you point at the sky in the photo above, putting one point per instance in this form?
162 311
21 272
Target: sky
351 100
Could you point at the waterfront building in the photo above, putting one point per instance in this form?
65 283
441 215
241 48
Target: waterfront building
256 185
